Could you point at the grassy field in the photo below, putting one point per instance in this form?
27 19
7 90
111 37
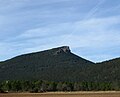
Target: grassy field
66 94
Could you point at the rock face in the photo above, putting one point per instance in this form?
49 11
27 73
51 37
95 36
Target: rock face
63 49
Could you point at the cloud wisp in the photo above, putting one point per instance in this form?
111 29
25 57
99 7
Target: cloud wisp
98 35
89 27
89 15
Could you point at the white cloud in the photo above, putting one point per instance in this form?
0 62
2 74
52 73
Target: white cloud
36 27
97 31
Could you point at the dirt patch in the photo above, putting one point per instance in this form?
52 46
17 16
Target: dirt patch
64 94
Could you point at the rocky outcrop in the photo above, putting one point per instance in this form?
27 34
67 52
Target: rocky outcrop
63 49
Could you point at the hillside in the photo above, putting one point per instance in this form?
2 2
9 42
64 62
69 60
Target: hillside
58 64
109 70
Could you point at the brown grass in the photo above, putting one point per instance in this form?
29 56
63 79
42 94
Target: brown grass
63 94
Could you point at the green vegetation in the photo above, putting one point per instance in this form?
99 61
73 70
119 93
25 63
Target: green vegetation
59 70
46 86
48 65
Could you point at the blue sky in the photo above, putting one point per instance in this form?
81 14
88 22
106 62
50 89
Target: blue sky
90 27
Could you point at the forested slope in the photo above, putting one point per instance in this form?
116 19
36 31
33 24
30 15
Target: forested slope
59 64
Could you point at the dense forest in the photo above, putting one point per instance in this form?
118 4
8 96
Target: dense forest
48 65
46 86
58 67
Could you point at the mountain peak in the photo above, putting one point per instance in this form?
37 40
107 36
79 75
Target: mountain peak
49 64
63 49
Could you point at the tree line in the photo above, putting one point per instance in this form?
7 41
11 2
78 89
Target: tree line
47 86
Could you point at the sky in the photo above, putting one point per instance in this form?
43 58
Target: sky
91 28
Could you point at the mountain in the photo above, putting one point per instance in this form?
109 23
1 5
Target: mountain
57 64
109 70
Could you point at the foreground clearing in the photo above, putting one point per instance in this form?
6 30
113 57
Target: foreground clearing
63 94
